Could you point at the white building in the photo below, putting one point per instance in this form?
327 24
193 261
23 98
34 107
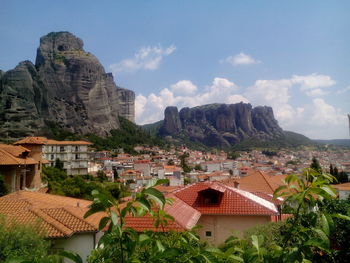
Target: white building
73 154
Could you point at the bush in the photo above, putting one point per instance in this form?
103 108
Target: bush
272 232
21 241
3 187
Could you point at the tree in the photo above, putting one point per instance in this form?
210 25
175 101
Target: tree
3 187
170 162
315 164
184 164
123 244
58 164
101 176
115 173
21 241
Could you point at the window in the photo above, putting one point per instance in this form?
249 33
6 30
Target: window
208 233
76 156
76 148
61 148
52 157
51 148
209 197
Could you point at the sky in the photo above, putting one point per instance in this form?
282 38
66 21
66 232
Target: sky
290 55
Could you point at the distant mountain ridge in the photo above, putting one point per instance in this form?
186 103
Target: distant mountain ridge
224 126
67 86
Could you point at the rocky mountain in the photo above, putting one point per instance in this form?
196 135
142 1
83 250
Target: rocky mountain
67 86
219 125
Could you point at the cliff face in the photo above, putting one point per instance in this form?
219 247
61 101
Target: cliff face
220 125
67 86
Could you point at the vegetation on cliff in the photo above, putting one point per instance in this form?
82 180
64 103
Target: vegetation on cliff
127 137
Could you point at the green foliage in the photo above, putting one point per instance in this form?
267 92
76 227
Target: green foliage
272 233
307 236
232 155
80 186
184 164
58 164
170 162
127 137
21 241
269 153
3 187
291 162
288 139
342 177
198 167
315 164
339 239
123 244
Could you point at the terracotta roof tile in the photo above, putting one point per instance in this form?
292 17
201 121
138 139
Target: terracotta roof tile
44 140
32 140
12 155
257 181
232 202
58 216
342 187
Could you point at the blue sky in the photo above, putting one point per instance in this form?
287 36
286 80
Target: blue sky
291 55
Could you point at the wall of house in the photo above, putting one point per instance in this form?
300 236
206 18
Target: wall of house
223 226
344 195
82 244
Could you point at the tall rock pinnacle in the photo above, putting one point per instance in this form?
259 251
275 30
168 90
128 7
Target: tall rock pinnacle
67 86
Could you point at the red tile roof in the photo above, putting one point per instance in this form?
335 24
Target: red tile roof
44 140
58 216
232 202
14 155
342 187
185 218
257 181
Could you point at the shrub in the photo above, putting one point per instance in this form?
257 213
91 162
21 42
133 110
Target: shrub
21 241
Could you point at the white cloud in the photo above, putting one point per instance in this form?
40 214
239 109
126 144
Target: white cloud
324 114
184 87
241 59
147 58
345 90
313 85
313 81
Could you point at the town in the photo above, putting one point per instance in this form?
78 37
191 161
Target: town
222 192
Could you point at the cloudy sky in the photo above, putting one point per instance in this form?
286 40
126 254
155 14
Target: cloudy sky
291 55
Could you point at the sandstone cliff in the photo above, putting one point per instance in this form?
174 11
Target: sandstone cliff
67 86
220 125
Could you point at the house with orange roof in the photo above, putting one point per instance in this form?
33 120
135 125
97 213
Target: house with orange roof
60 219
257 181
73 154
343 190
19 168
144 166
225 210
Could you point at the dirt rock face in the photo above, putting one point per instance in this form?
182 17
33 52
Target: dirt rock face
221 125
66 86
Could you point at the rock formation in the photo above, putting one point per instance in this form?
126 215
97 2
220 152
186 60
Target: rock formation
220 125
66 86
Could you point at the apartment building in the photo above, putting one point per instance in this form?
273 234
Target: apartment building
73 154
